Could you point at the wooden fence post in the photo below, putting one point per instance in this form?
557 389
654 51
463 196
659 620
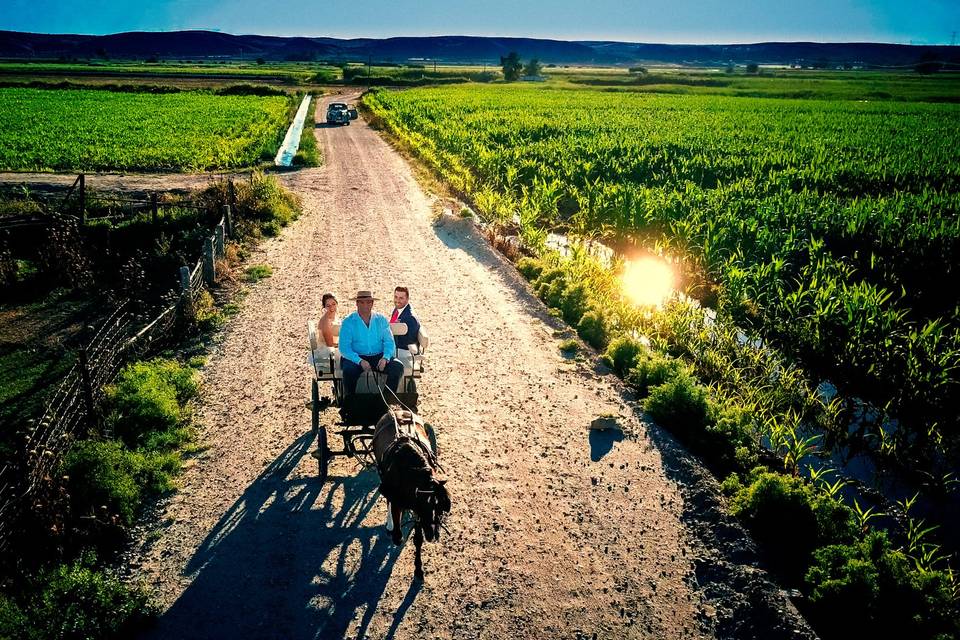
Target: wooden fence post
218 240
228 220
209 269
154 207
83 199
231 195
186 296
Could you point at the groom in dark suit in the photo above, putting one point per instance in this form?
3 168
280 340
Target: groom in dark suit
403 313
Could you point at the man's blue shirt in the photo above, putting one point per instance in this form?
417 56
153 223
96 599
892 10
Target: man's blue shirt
357 339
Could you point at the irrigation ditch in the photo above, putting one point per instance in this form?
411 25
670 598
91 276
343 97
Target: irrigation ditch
291 141
882 491
880 498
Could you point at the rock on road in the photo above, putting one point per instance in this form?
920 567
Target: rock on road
556 531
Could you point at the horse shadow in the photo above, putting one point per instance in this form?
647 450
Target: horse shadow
289 559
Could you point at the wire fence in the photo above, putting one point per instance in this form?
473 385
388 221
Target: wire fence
79 203
72 410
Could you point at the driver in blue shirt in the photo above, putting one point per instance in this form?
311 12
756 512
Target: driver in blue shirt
366 343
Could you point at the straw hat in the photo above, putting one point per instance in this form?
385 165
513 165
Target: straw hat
364 295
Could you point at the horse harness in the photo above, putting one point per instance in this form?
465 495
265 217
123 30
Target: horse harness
406 428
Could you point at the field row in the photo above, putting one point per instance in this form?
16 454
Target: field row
831 227
98 130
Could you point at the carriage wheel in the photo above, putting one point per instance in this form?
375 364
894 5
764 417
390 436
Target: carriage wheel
322 454
315 406
432 435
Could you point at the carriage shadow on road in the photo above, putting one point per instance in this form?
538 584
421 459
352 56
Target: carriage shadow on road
290 559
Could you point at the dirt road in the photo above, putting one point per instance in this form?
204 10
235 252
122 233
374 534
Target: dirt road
556 531
134 183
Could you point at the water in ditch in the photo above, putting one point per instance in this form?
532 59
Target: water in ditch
291 142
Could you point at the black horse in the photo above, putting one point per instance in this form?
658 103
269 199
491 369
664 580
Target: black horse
407 463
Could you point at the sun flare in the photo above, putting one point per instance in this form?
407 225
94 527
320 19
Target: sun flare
648 281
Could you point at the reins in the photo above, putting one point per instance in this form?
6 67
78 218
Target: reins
392 392
402 439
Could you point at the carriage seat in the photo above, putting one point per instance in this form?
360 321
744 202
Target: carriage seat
412 358
326 360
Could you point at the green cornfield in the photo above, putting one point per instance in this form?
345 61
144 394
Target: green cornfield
84 130
832 228
290 71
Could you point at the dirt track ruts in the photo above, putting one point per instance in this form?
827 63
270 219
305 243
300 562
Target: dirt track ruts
556 531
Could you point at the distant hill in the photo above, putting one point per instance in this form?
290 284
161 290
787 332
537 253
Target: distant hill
818 53
211 44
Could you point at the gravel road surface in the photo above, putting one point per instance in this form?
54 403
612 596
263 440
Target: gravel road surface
557 530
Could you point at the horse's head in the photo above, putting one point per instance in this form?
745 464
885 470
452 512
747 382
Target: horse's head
432 504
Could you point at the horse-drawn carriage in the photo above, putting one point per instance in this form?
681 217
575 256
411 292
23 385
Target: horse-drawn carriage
360 411
380 428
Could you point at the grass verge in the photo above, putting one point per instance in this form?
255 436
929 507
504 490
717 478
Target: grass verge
257 272
61 581
852 575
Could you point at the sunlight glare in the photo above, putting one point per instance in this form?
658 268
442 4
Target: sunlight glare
648 281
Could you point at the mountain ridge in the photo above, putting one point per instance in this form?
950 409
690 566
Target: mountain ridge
463 49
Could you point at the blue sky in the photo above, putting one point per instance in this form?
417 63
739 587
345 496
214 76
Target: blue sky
677 21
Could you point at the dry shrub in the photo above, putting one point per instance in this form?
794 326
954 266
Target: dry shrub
262 206
510 246
231 253
225 274
63 257
8 266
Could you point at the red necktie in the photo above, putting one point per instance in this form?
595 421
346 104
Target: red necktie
393 318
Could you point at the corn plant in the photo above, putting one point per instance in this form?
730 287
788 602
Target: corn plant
832 489
91 129
926 555
817 224
864 516
906 504
796 449
953 583
826 255
783 433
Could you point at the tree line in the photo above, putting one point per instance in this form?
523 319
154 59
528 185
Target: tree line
513 68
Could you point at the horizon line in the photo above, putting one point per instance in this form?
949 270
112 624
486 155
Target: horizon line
452 35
